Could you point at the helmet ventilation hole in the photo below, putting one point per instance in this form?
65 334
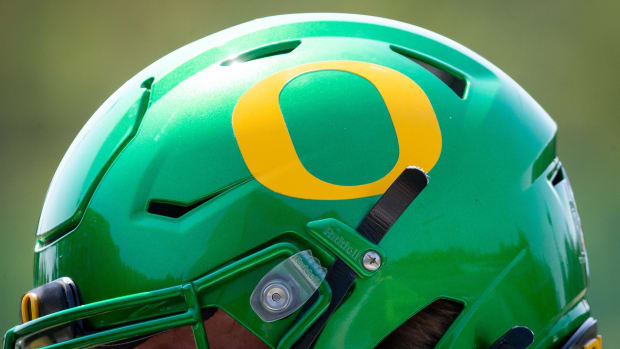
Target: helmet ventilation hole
424 329
169 209
454 80
176 209
279 48
558 176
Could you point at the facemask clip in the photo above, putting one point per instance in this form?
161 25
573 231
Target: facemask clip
287 286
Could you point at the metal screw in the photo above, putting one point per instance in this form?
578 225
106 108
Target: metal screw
371 260
276 297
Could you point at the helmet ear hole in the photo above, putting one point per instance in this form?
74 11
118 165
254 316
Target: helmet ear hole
425 328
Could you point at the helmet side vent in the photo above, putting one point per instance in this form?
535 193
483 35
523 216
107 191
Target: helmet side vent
448 75
280 48
557 177
426 328
175 209
172 209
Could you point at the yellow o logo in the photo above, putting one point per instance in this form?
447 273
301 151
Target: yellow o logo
268 150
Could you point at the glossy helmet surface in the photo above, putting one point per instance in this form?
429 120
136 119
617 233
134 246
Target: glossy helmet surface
234 147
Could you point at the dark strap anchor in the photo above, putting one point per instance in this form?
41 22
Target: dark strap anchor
373 227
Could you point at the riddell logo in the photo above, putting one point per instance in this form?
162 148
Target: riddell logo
270 155
342 243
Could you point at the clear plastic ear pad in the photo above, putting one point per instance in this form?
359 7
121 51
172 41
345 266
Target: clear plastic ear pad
287 286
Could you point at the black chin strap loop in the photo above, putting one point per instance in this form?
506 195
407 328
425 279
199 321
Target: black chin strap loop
373 227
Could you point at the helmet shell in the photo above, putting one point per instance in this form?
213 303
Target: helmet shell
491 229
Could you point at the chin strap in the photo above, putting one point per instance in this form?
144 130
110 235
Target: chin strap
373 227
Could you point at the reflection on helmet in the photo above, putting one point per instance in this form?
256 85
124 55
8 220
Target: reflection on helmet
418 174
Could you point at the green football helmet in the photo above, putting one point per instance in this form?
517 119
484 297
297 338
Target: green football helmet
323 179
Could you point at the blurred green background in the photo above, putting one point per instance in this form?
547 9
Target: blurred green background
61 59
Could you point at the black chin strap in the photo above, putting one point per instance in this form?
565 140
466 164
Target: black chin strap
373 227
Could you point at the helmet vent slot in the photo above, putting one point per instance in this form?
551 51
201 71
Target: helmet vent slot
426 327
558 176
453 79
170 209
280 48
175 209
